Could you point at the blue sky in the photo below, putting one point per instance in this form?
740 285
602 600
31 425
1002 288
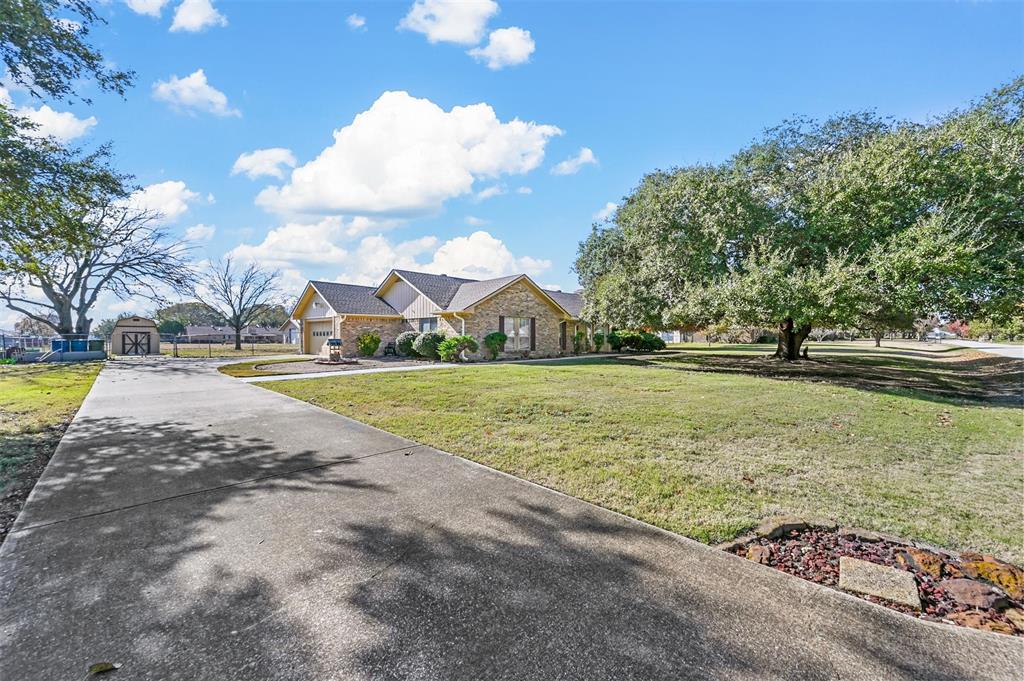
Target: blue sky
641 85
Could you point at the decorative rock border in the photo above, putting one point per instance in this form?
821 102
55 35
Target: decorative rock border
967 589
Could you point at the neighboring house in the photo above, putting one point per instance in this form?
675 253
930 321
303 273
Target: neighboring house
225 334
538 322
291 332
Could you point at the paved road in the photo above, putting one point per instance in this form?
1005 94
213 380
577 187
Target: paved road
191 526
1004 349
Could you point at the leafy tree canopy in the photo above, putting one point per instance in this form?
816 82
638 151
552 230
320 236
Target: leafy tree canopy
855 221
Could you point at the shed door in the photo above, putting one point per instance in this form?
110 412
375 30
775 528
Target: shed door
135 343
319 332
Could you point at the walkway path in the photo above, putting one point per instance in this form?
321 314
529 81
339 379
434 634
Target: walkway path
191 526
1004 349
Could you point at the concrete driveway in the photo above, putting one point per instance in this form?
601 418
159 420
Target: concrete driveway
1003 349
191 526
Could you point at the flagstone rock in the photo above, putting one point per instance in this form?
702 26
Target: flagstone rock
922 560
975 594
1009 578
861 576
979 620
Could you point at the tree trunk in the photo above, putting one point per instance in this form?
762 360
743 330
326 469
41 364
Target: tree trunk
878 338
790 340
238 339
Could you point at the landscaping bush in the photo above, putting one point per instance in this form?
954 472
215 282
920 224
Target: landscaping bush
615 341
580 342
450 349
404 343
598 341
495 343
426 344
368 344
637 341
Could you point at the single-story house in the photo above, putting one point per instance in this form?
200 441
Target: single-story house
290 332
538 322
225 334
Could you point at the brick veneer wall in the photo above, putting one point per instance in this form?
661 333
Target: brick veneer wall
517 300
353 327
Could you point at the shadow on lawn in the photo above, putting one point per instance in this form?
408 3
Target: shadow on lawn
990 380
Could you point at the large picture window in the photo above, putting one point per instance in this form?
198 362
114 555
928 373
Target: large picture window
428 324
518 331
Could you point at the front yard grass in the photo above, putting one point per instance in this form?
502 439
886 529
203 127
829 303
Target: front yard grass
707 445
37 402
247 369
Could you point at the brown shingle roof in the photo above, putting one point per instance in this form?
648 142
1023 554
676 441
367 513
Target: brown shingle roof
440 288
352 299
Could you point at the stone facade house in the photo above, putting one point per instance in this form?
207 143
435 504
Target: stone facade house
538 322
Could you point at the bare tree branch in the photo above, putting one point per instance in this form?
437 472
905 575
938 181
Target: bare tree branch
237 295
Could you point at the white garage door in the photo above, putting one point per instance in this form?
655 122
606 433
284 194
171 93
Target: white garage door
319 332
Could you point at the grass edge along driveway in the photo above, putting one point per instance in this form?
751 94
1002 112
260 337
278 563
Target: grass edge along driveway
708 454
37 403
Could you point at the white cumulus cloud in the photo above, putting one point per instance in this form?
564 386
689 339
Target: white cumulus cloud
505 47
451 21
295 246
151 8
193 93
482 256
474 221
170 199
524 190
200 232
197 15
572 165
606 212
264 162
406 156
64 126
356 22
489 192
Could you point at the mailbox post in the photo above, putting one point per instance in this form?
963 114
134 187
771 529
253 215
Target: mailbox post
334 349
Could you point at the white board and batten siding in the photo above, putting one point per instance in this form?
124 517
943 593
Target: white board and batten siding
409 302
317 308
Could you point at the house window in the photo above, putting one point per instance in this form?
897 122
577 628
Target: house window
518 331
428 324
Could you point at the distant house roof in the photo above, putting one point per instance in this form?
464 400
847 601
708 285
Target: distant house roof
440 288
352 299
475 291
207 330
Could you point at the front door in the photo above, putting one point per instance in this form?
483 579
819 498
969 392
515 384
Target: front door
135 343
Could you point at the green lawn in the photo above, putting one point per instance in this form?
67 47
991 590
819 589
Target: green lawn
37 401
247 369
708 443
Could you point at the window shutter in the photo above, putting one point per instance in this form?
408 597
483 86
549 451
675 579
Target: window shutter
533 333
501 323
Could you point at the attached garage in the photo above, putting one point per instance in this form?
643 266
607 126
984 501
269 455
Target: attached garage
318 332
135 336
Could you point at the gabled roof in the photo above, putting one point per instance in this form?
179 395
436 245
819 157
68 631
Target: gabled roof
570 302
474 291
352 299
439 288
